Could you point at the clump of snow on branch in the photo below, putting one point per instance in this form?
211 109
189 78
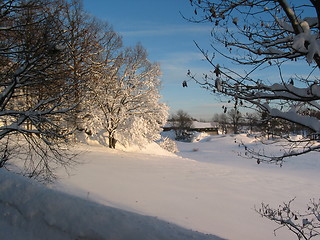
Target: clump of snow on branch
309 39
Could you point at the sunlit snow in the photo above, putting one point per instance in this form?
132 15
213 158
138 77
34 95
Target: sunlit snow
206 187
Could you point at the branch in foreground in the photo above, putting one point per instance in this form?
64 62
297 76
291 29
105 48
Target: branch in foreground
304 225
293 148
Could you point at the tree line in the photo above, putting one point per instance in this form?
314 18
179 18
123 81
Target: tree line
234 122
63 71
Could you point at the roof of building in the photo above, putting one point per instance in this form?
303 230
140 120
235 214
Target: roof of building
196 124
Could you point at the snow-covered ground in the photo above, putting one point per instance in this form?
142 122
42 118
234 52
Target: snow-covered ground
206 188
30 211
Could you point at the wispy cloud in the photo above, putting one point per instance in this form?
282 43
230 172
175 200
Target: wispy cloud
181 58
164 30
175 66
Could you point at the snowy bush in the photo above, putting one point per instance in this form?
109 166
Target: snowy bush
168 144
138 131
198 136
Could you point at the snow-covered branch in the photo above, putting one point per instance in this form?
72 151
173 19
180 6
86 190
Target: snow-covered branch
266 34
264 30
304 225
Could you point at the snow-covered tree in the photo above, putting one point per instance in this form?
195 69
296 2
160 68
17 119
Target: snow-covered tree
92 41
267 35
125 98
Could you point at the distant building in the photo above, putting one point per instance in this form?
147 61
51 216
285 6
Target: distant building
314 136
210 128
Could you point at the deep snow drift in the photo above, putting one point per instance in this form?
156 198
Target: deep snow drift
208 188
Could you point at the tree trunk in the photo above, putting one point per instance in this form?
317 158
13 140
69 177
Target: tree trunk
112 140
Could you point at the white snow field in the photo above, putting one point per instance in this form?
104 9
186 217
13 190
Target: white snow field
207 188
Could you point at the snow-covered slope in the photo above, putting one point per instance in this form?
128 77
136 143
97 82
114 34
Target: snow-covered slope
29 211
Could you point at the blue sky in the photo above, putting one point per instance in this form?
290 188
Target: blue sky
168 38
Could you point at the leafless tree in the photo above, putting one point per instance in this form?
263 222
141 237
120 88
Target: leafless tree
222 120
251 121
35 86
181 121
266 35
235 118
91 43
